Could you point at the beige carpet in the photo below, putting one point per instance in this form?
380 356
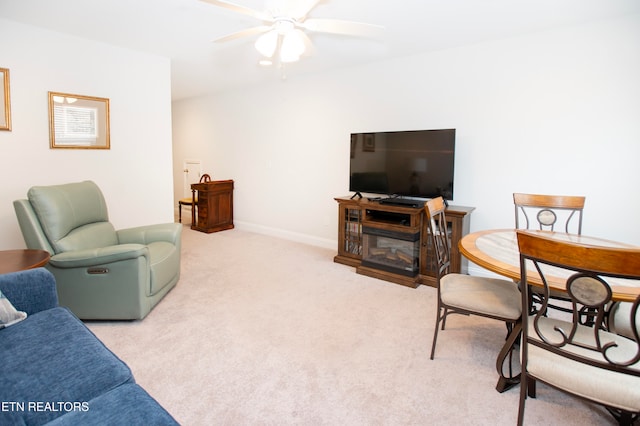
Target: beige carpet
264 331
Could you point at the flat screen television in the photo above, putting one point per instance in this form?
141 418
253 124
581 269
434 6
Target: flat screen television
414 164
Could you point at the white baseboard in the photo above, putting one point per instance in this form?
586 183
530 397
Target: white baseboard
287 235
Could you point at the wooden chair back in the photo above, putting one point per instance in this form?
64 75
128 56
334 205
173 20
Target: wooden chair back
547 210
438 234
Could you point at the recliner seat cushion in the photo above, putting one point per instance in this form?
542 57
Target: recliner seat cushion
165 263
73 216
53 357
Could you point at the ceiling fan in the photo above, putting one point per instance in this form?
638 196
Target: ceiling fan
283 34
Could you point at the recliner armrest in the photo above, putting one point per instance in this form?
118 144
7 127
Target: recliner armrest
31 291
98 256
169 232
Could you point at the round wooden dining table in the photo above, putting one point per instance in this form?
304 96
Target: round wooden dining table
497 251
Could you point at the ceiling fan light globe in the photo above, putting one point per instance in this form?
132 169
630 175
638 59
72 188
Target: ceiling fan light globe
292 45
267 43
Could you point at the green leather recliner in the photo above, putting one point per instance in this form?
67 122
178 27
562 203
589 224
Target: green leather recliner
101 273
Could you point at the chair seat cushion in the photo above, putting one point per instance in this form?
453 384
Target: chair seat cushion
489 296
53 357
620 320
597 384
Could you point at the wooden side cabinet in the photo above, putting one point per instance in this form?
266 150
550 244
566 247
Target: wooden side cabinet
393 229
215 206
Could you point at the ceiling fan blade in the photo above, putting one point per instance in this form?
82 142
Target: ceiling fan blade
336 26
300 13
240 9
243 33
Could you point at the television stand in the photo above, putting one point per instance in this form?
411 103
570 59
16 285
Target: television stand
380 240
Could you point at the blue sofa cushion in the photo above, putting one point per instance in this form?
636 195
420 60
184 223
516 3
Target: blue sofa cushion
31 291
125 405
52 357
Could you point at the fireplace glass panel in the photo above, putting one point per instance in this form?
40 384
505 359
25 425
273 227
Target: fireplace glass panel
396 252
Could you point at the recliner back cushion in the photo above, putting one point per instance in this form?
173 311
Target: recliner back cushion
73 216
93 235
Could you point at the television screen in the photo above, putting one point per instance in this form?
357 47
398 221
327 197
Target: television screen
416 163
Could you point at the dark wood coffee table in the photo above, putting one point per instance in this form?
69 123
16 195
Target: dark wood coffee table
19 260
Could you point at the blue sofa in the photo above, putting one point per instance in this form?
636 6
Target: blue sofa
55 371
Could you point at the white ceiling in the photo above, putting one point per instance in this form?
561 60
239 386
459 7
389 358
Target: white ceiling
183 30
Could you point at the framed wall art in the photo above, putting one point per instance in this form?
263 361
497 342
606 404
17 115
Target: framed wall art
5 100
78 122
369 143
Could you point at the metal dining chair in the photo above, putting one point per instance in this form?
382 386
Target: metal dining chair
465 294
585 360
545 212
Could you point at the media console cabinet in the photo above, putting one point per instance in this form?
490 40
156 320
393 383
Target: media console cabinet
391 242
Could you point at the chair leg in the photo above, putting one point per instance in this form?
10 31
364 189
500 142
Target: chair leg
624 418
444 317
506 382
439 317
523 397
180 212
531 388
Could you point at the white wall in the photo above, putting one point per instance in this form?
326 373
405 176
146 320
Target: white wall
135 175
553 112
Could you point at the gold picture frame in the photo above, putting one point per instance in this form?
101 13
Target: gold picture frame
78 121
5 100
